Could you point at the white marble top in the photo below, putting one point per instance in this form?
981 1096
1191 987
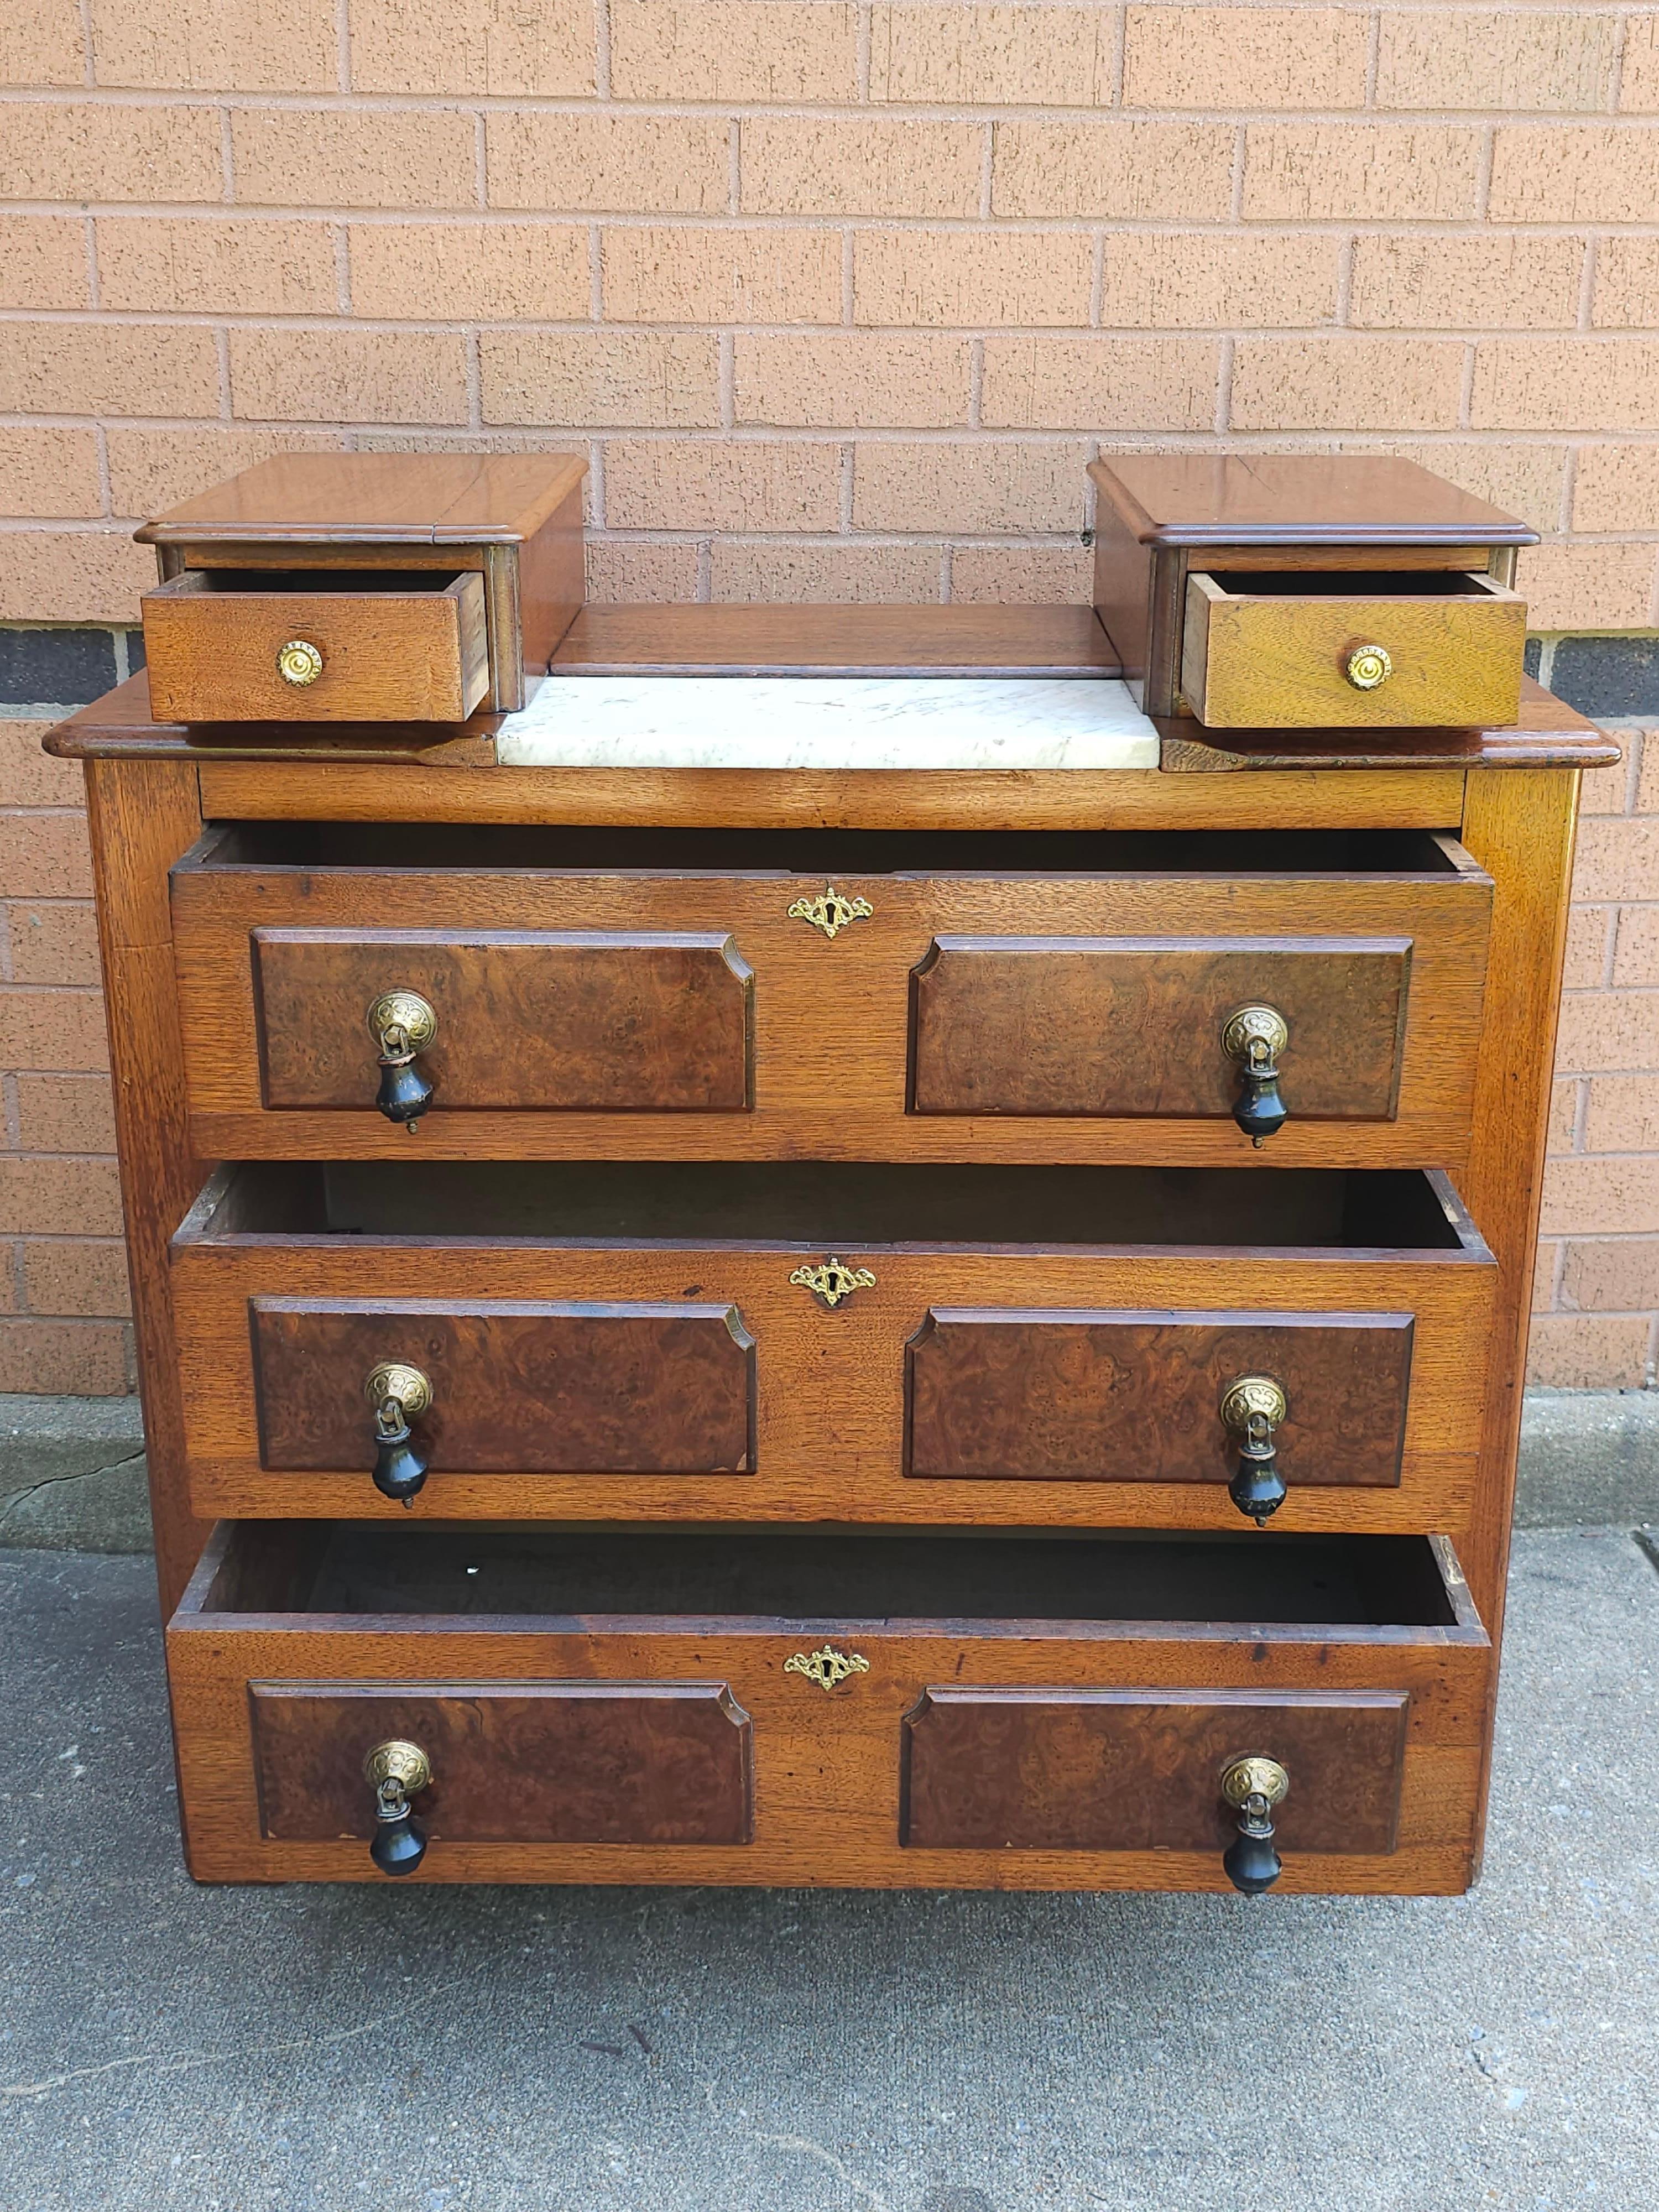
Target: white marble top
817 722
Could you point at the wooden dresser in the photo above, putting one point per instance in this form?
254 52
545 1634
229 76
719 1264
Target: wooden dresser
877 1246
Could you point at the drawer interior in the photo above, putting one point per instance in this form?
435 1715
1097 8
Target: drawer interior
1353 584
833 1203
833 1578
310 583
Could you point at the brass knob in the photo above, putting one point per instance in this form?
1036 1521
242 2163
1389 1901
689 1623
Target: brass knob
299 662
1254 1788
1368 666
1254 1037
396 1378
403 1024
1252 1409
399 1394
397 1771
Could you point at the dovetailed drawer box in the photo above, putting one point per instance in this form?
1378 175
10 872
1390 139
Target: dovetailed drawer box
1060 997
1031 1712
789 1342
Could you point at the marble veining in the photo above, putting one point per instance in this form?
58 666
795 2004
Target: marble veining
842 722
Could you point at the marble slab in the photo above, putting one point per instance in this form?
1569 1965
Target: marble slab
840 722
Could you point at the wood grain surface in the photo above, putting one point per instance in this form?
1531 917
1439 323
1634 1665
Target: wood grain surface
552 1388
376 499
1130 1771
1135 1397
533 1762
1298 501
836 640
559 1021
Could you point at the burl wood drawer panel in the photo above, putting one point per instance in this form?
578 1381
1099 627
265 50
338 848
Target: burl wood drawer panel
768 995
250 646
1295 650
829 1708
690 1341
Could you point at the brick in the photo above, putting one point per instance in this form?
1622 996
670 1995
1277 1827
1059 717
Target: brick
60 1197
72 576
1627 296
1607 1031
49 472
74 1358
489 271
1045 56
1623 1114
1368 172
661 273
1136 170
1605 790
52 1032
632 569
971 279
732 50
739 485
1639 83
857 380
1586 1197
349 375
29 777
1586 172
79 149
651 164
1507 59
216 45
1647 785
887 575
631 378
1636 951
1588 587
1618 858
1021 575
65 1113
205 264
66 664
830 165
1590 936
150 470
1493 283
9 1297
1251 58
43 43
984 485
1616 487
368 157
75 1276
493 46
43 260
1543 1276
1221 280
1589 1351
1617 1275
107 369
1099 384
52 942
1521 479
1563 1113
1346 384
45 856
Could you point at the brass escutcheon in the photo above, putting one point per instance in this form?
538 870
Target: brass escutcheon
834 1281
406 1011
829 1668
1254 1776
1252 1398
1368 665
400 1762
396 1378
1254 1035
299 662
831 912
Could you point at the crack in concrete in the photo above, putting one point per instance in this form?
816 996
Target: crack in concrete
1647 1542
187 2061
56 1482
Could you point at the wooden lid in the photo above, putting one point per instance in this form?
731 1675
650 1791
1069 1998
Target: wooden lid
376 499
1296 499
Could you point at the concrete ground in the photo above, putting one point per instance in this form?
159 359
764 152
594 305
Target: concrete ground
698 2051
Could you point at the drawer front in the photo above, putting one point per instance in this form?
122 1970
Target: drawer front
592 1021
1125 1026
1116 1397
217 647
511 1762
562 1388
988 1769
658 1017
1254 658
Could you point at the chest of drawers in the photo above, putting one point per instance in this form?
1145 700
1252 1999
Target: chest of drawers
821 1245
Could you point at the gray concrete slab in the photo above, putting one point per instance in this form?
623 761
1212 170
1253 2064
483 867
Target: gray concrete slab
696 2050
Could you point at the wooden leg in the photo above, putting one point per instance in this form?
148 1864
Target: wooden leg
143 814
1519 825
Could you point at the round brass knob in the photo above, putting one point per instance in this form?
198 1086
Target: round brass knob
299 662
1368 666
1254 1776
398 1761
406 1011
396 1378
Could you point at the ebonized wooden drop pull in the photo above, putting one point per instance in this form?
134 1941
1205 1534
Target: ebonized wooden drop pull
1254 1788
1255 1037
1252 1409
403 1025
399 1394
397 1772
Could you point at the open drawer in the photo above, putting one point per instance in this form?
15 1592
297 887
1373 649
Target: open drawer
792 1341
828 1707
